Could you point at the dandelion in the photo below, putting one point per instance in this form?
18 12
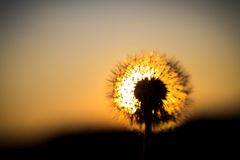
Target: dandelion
151 90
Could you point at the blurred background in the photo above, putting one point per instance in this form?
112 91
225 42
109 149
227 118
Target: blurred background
56 57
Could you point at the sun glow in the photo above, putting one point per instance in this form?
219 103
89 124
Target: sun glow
150 66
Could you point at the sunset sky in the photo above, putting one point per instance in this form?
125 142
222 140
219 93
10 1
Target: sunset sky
55 58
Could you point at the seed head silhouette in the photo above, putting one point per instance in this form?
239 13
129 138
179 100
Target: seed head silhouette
151 90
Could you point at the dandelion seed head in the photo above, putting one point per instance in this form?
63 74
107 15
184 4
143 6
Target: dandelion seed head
147 67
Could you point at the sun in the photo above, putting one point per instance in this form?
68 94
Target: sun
149 66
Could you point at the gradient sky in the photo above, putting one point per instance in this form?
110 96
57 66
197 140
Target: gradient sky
55 58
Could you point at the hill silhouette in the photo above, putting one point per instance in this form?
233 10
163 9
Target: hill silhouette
205 138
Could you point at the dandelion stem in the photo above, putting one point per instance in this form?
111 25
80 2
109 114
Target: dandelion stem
148 133
150 93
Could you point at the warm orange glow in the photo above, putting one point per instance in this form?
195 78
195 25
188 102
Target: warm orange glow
150 66
55 59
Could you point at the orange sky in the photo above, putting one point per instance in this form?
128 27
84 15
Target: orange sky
56 58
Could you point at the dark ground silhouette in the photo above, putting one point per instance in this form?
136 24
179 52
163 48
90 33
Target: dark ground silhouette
199 139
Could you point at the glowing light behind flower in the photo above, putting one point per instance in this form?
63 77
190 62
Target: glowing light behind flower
151 66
